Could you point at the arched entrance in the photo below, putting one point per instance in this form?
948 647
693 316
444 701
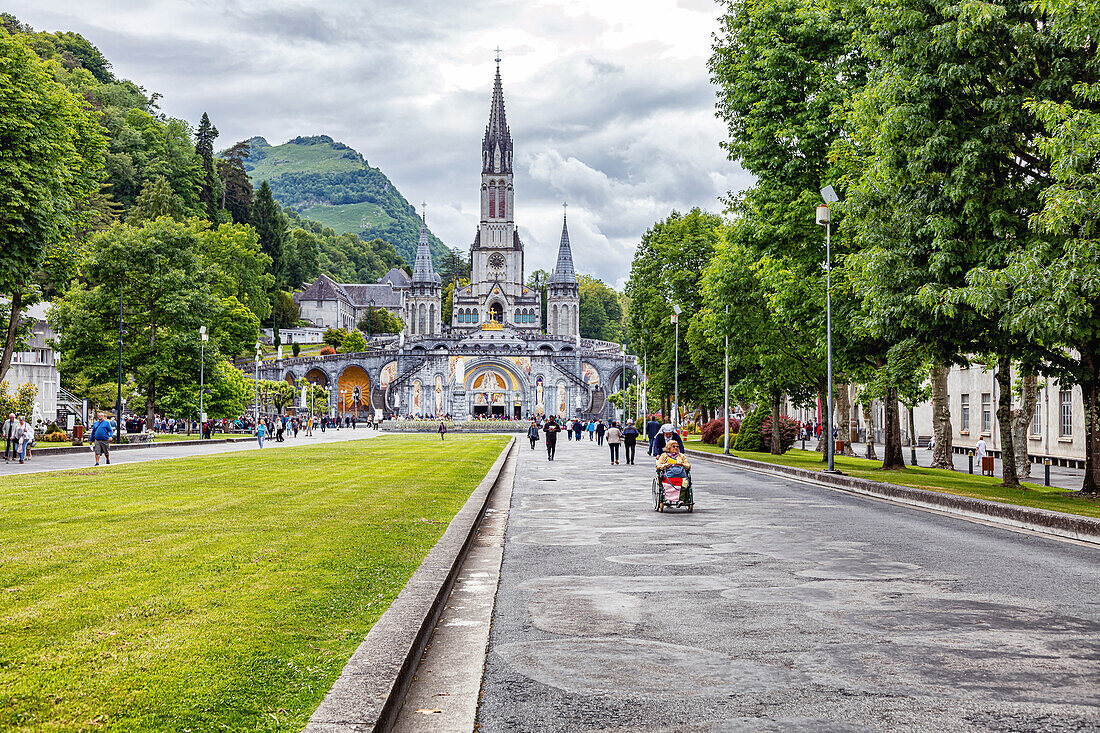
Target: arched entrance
318 377
495 391
354 391
496 313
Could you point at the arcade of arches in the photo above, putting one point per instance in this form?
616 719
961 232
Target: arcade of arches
353 383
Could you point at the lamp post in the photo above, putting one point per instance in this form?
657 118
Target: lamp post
823 219
622 353
676 311
370 318
118 403
203 337
256 388
726 386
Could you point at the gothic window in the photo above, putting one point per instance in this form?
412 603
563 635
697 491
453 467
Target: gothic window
423 318
554 320
518 316
492 203
431 318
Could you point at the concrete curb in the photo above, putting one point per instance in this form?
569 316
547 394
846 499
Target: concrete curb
368 694
41 451
1059 524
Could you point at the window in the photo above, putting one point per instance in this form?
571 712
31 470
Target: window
1065 401
987 412
492 203
1036 419
965 413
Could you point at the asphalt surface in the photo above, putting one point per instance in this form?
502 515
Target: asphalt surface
777 606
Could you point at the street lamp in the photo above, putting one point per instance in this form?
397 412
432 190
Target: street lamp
370 317
203 338
118 403
676 311
256 388
622 353
824 219
726 385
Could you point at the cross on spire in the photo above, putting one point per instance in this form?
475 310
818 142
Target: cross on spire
497 51
424 211
564 208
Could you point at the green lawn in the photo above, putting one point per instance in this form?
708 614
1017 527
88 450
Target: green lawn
213 593
950 482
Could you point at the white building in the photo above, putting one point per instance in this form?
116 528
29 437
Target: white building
38 364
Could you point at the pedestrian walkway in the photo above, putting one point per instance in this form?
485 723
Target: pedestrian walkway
41 460
776 606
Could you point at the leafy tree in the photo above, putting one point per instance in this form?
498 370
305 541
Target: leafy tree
354 342
334 336
236 185
234 327
316 397
20 402
543 277
285 311
380 321
204 147
230 391
51 153
238 266
165 293
666 271
601 314
270 224
278 394
157 199
302 254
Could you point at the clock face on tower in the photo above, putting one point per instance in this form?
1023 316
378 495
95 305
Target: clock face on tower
496 261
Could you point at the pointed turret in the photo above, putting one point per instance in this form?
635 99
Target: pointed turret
423 272
563 273
496 148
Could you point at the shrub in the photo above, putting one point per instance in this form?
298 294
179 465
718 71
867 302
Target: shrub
52 428
354 342
56 437
788 432
748 436
335 336
296 348
327 350
713 432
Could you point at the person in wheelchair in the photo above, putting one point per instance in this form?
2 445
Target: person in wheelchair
673 463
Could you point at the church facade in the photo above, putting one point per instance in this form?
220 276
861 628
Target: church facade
492 358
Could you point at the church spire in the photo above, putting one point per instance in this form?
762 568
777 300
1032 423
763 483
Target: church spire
423 272
564 275
496 148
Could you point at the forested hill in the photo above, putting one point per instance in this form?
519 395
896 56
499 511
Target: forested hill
330 183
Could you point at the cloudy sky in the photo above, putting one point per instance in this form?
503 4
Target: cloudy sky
608 101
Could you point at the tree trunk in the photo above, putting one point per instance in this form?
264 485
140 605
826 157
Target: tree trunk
892 460
1090 392
843 416
942 449
1004 422
776 446
1021 422
869 418
912 434
13 329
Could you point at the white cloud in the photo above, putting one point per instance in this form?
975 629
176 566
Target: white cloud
609 102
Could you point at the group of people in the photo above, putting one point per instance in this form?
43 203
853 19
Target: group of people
18 436
663 442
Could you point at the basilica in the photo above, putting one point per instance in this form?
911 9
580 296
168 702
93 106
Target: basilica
493 358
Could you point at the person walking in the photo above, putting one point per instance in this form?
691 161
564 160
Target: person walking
652 428
102 432
591 430
22 435
7 430
614 437
261 431
533 433
666 436
578 428
442 429
600 430
551 429
569 430
630 438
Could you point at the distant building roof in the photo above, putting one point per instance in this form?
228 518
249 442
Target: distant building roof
323 288
384 295
397 278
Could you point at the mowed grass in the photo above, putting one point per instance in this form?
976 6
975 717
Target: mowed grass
214 593
934 479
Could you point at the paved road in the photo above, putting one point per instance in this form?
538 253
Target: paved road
42 461
778 606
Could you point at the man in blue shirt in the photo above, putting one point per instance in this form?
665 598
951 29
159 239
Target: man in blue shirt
651 429
102 432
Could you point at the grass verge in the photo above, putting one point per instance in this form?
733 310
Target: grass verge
212 593
934 479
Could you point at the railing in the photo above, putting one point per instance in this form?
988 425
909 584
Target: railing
572 377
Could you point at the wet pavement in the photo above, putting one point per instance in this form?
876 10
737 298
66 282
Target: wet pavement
777 606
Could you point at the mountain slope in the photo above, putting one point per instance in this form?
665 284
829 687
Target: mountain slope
330 183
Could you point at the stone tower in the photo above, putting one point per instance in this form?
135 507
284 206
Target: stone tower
496 292
563 295
423 298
